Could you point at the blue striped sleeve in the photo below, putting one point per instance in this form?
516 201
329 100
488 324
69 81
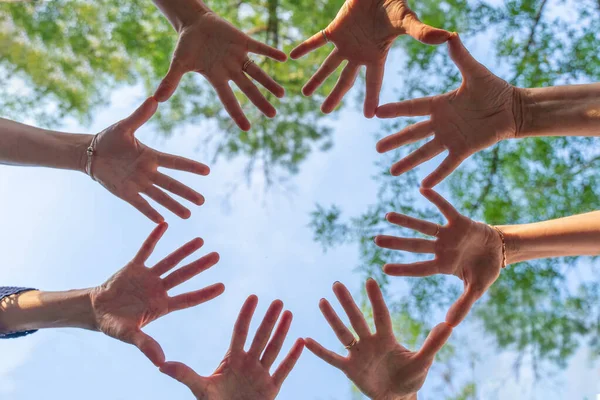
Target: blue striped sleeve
6 291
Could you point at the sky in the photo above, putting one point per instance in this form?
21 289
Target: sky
63 231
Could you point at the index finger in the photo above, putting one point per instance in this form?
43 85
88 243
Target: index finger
434 342
242 324
314 42
257 47
150 243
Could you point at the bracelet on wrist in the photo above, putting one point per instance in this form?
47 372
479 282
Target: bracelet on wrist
501 234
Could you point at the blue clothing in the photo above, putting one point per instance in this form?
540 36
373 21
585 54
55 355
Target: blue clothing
6 291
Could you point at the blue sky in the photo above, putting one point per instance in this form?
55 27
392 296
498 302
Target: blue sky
62 231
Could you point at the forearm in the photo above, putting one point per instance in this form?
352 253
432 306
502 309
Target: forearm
560 111
578 235
38 310
181 12
27 145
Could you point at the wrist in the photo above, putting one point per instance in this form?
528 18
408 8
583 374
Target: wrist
512 244
412 396
183 13
522 103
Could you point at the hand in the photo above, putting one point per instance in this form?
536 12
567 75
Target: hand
136 295
363 32
127 167
245 375
377 364
482 112
470 250
216 49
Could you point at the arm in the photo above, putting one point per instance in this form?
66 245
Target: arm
561 111
129 300
32 310
27 145
578 235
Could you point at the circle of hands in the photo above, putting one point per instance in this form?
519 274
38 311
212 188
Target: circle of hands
481 112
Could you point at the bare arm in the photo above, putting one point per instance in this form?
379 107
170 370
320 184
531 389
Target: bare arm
561 111
22 144
578 235
34 310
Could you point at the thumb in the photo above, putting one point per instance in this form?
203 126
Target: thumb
140 116
434 342
182 373
169 83
462 58
425 33
148 346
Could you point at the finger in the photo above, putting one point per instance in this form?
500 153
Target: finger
288 363
462 306
145 208
341 331
232 106
182 164
442 204
344 83
170 82
276 342
167 201
242 324
141 115
434 342
181 373
381 313
446 167
150 243
463 59
426 227
330 64
357 319
328 356
178 188
314 42
148 346
417 157
187 272
408 135
177 256
255 96
419 269
254 46
264 79
374 81
423 32
263 333
405 244
408 108
192 299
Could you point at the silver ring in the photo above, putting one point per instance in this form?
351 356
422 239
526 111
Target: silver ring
437 232
247 64
324 35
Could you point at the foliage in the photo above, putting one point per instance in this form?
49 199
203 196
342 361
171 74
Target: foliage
540 308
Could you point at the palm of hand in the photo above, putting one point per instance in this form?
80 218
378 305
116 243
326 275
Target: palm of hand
210 47
379 366
363 31
470 250
123 165
129 300
474 117
382 368
238 379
